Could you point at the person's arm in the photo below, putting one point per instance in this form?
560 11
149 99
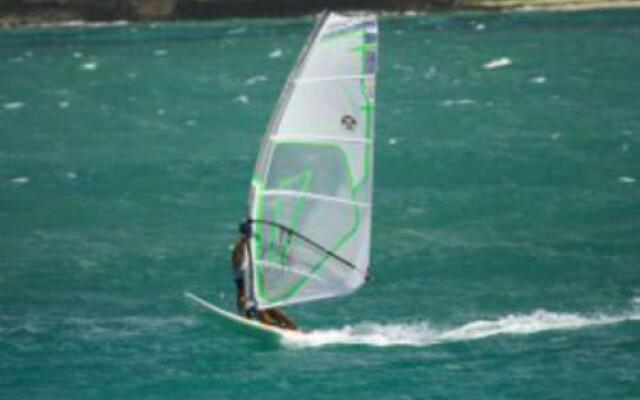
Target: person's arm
237 257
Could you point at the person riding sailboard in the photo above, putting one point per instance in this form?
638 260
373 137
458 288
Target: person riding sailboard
307 236
246 307
308 228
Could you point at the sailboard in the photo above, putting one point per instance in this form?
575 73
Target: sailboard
239 324
310 202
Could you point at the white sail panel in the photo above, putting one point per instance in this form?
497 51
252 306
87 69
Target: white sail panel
323 107
341 50
326 167
291 270
310 203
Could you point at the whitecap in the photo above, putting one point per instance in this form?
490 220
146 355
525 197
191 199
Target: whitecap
255 79
480 26
393 141
459 102
71 175
63 104
89 66
277 53
13 105
404 68
160 53
538 79
497 63
626 179
20 180
242 99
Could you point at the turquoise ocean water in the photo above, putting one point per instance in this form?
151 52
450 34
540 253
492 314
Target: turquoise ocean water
506 245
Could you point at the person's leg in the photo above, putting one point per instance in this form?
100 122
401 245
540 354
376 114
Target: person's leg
281 319
240 303
265 317
241 299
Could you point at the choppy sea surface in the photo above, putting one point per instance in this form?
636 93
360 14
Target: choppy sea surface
506 242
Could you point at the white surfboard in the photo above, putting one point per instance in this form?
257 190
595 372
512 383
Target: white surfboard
240 324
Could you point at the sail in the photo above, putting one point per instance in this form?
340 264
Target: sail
310 200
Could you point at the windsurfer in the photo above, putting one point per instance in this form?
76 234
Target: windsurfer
270 316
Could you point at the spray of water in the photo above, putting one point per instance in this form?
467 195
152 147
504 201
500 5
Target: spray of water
423 334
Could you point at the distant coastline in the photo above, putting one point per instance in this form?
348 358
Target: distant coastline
15 13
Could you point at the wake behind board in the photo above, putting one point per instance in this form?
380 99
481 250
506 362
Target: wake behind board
240 324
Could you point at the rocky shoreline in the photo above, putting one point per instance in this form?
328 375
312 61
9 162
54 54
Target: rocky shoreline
15 13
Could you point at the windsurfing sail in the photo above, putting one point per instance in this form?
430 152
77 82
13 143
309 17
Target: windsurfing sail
310 200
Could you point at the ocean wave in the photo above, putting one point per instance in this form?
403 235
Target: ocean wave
423 334
13 105
95 329
125 327
498 63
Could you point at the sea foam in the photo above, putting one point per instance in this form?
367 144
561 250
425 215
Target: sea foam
424 334
497 63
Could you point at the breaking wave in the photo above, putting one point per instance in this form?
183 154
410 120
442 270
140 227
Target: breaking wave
423 334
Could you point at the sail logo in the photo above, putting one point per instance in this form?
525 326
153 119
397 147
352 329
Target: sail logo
348 122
